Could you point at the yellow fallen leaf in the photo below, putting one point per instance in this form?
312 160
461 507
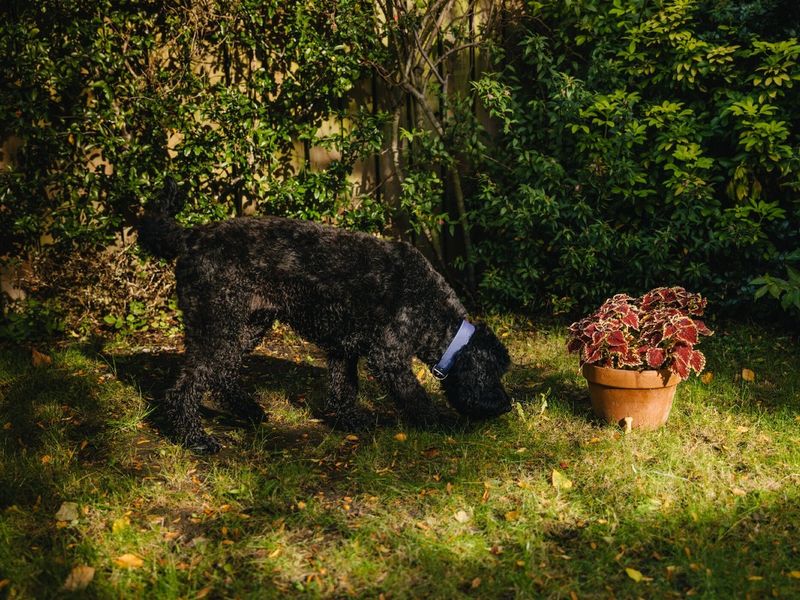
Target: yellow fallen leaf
120 525
47 459
476 583
400 437
512 515
754 578
129 561
634 574
748 375
78 579
352 438
301 505
707 377
560 481
203 593
794 574
274 553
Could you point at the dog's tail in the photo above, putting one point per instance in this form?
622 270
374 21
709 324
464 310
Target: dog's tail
159 232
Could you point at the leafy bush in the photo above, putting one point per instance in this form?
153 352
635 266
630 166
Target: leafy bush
105 98
643 142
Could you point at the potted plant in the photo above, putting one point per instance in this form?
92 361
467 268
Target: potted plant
634 351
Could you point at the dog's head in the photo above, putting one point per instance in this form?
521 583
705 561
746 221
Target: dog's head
473 385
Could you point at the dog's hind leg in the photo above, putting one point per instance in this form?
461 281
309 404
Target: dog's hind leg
343 393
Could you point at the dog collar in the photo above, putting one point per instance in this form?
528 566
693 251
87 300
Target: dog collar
462 337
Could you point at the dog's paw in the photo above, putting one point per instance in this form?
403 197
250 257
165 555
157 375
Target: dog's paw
422 418
202 443
251 412
354 420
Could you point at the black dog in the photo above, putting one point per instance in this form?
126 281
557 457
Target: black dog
350 293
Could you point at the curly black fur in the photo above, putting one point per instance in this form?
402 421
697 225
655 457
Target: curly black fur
352 294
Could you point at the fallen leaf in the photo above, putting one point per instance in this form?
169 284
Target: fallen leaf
67 512
462 516
38 359
748 375
47 459
560 481
120 525
476 583
634 574
203 593
431 452
512 515
275 553
352 438
129 561
742 429
794 574
301 505
4 583
707 377
754 578
78 579
738 491
400 437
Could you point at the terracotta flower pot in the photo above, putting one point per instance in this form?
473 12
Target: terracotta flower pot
645 396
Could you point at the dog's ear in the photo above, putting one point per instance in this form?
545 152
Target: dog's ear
486 339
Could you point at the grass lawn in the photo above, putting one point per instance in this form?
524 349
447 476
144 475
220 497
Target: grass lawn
707 506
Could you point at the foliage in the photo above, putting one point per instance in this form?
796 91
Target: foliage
786 290
105 98
654 331
643 142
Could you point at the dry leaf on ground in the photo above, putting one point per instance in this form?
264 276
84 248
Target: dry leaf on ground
462 516
40 360
748 375
129 561
78 579
560 481
67 512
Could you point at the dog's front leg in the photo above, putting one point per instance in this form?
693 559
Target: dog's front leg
342 400
410 397
182 403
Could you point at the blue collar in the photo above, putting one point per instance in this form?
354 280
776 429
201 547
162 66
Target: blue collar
462 337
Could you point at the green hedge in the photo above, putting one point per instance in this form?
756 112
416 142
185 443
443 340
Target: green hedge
643 143
232 84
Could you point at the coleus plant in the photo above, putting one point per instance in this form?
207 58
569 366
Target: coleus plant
654 331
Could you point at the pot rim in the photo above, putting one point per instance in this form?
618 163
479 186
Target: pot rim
623 378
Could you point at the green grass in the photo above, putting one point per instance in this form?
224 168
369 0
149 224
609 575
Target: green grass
707 506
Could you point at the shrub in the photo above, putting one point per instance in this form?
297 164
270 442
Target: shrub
641 142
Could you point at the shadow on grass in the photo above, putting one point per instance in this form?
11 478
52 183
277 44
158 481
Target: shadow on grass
303 385
42 433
